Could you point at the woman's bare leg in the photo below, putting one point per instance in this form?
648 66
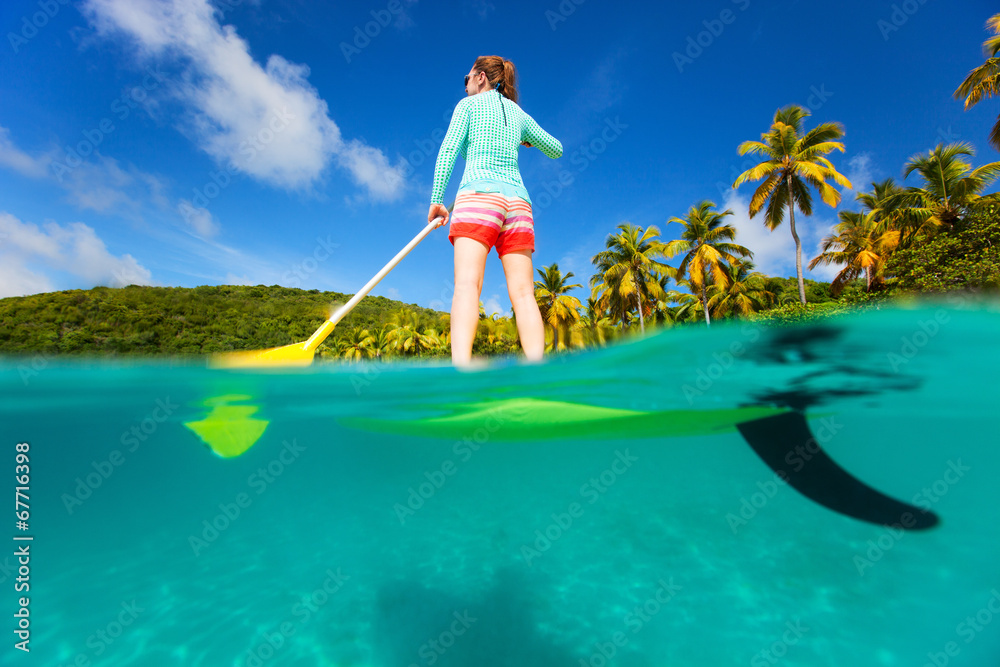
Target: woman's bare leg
521 289
470 263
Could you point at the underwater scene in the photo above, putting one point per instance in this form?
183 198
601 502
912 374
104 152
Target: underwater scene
824 494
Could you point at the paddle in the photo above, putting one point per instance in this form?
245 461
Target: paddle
301 354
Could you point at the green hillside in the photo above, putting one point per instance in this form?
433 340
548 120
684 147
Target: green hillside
139 320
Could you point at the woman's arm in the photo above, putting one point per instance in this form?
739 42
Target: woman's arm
454 141
536 136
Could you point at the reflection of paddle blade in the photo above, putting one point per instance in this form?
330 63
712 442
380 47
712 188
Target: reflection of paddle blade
229 430
776 438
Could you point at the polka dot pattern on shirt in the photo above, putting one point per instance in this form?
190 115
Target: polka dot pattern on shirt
479 133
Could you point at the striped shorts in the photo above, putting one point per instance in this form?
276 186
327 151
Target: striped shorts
493 219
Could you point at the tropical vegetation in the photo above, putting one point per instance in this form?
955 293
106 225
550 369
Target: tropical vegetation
984 81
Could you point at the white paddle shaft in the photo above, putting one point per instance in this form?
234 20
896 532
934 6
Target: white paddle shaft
324 330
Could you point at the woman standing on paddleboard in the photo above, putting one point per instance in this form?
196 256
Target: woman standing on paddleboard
492 208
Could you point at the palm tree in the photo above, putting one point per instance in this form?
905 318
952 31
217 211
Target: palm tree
595 327
984 81
558 309
862 244
893 208
358 343
628 273
704 242
407 340
743 292
404 317
435 341
951 186
381 342
689 307
793 161
497 334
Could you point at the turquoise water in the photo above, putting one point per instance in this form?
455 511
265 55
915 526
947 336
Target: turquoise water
330 545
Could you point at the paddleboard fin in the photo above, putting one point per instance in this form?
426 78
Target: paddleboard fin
776 438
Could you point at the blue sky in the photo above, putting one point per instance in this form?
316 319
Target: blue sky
185 142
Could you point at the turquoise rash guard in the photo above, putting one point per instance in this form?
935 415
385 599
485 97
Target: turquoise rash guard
487 129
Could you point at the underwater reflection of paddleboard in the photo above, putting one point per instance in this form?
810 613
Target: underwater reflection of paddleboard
780 437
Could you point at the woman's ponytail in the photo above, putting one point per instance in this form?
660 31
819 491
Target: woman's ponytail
501 74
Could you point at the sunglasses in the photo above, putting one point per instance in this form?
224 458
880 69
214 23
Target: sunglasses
467 77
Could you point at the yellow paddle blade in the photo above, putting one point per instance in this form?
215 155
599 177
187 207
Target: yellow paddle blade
287 355
299 354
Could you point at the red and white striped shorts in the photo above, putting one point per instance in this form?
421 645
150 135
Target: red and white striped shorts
494 220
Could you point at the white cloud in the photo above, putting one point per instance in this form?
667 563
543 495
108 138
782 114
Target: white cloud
859 173
774 252
14 158
268 122
103 185
492 306
233 279
200 219
100 183
34 259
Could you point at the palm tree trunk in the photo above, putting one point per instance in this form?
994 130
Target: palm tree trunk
704 304
642 323
798 243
